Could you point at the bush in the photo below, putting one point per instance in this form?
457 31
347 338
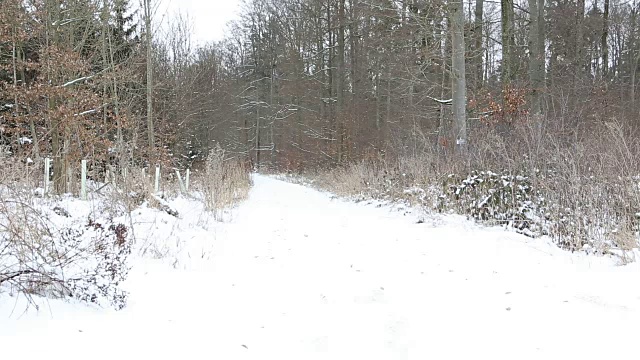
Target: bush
46 252
503 199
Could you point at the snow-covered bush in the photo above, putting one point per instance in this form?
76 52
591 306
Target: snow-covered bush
46 251
504 199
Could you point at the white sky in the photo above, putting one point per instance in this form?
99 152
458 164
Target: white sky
209 17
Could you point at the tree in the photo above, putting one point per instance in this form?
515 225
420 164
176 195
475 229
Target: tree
459 86
508 42
605 35
536 59
477 33
149 47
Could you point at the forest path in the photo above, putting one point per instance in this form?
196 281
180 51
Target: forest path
298 274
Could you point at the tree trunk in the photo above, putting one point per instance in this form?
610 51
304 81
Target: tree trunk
579 46
633 58
149 38
508 42
116 107
542 39
459 86
52 36
477 32
330 76
536 59
605 35
353 49
340 80
341 47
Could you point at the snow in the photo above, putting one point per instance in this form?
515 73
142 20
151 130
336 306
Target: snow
87 112
24 140
294 273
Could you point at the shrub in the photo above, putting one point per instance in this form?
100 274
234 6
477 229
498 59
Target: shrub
504 199
47 252
580 206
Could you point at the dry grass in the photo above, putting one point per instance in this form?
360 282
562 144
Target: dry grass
589 179
365 178
225 182
26 175
410 180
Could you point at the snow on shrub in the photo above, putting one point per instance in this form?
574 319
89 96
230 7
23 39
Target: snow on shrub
48 252
504 198
578 213
593 212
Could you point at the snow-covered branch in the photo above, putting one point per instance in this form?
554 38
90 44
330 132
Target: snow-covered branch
440 101
73 82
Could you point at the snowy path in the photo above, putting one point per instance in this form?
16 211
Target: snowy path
298 275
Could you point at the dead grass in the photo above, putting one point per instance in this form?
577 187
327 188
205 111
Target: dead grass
225 182
589 179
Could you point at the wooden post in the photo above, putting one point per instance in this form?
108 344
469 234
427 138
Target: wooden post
83 181
186 185
182 187
47 174
156 187
112 175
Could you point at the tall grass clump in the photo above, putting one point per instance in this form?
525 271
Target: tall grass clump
226 182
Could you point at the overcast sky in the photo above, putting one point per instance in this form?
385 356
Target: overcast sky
209 17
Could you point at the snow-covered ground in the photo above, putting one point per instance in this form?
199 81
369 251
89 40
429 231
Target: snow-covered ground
297 274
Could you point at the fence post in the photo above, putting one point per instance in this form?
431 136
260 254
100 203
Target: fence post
83 181
69 180
186 185
182 188
156 186
47 174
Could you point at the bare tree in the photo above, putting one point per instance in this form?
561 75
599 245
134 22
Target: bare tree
536 59
508 42
605 35
477 33
459 86
149 47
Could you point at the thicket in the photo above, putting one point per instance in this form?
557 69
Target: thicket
584 194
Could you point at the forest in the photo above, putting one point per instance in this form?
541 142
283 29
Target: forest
372 96
333 179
